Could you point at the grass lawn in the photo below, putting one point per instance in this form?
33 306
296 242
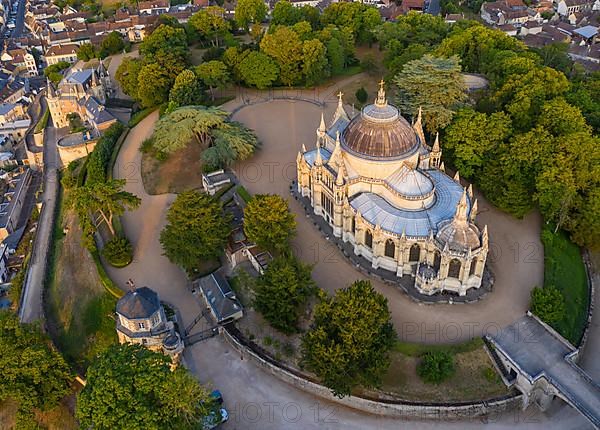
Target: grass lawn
564 268
181 171
475 377
80 311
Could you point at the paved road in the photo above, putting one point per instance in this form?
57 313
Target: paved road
115 62
31 305
20 20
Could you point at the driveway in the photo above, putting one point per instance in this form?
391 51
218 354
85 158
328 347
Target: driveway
256 399
115 62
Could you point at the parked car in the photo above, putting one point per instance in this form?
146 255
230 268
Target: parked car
214 419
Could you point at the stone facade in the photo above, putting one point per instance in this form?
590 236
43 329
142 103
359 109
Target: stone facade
384 190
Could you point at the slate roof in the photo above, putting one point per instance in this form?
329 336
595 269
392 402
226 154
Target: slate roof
219 296
140 303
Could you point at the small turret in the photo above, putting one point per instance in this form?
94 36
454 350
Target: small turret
470 191
318 158
339 180
462 208
436 153
442 167
418 126
457 177
484 237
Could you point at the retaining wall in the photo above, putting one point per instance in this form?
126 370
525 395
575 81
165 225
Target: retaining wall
389 408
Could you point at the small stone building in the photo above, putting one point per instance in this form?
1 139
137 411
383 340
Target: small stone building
141 319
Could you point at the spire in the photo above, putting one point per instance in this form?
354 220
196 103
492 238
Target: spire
322 124
442 167
318 158
298 157
470 191
436 143
484 236
340 112
473 213
418 127
339 180
462 208
403 236
457 177
303 148
337 141
51 92
381 101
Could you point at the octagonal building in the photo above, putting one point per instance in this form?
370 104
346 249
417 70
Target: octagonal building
380 187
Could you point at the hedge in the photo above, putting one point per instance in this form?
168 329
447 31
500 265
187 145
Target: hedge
100 157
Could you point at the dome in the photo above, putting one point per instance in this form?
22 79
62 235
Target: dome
459 236
380 132
411 183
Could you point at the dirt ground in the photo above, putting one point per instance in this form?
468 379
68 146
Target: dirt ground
58 418
181 171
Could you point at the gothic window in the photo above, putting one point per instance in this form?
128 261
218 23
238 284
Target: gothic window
473 267
353 226
415 253
437 259
454 269
390 248
368 239
326 204
141 325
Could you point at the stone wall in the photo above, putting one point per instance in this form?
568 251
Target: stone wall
592 279
389 408
67 154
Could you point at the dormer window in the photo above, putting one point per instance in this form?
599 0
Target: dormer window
141 325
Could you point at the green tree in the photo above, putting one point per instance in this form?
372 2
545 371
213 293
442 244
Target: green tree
433 84
177 129
112 44
231 142
314 61
154 85
165 40
210 24
103 200
258 70
127 76
214 74
130 387
196 230
335 56
413 28
118 251
86 52
282 291
361 95
359 18
53 72
436 367
472 136
268 222
250 12
548 304
32 372
285 47
187 90
349 341
522 96
285 14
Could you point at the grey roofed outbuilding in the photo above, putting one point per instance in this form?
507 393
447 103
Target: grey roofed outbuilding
138 304
220 297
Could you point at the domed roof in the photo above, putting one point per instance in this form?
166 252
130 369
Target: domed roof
459 236
380 132
410 183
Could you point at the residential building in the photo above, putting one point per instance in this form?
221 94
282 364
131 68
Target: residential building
57 53
10 112
16 187
503 12
154 7
220 298
568 7
141 319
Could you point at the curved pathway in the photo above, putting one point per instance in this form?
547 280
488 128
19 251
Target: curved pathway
255 398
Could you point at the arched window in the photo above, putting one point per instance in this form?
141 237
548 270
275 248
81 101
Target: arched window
454 269
473 266
415 252
368 239
353 226
390 248
437 260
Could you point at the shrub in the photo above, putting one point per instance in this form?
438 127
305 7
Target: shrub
100 157
212 53
361 95
548 304
436 367
118 252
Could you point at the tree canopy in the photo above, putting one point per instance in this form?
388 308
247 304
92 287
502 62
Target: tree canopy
349 341
187 89
258 70
196 230
210 24
130 387
214 74
548 303
281 292
268 222
433 84
32 372
250 12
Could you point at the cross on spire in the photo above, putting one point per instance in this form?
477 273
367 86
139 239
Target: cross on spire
381 101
